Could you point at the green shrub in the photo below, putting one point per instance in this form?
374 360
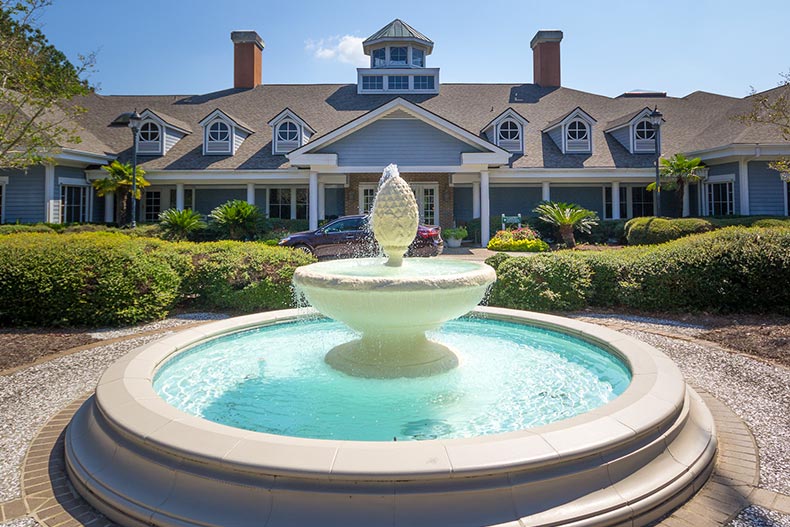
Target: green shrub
84 279
459 233
552 282
238 220
650 230
772 222
180 224
14 228
519 240
498 259
607 231
242 276
287 226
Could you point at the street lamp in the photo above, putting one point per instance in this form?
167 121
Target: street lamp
656 118
134 123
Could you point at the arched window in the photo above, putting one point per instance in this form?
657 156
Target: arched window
287 131
149 132
577 131
644 130
509 131
218 132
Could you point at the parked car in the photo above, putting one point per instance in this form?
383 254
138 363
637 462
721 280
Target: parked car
350 236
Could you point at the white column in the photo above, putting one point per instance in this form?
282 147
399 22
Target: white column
109 207
251 193
312 200
321 201
485 209
686 202
476 199
545 191
615 200
51 201
293 203
743 184
179 196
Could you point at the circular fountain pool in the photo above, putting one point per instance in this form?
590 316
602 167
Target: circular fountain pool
512 377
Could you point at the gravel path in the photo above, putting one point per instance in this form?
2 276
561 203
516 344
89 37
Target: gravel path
171 322
758 517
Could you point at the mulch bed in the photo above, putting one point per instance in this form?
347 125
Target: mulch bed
19 346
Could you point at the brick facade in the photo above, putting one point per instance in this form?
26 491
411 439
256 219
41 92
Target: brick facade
445 197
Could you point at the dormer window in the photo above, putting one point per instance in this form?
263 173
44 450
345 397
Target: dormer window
577 136
218 138
644 136
378 58
399 56
507 131
150 138
289 132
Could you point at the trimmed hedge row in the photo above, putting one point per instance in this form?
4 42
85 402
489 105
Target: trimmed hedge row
651 230
109 278
728 270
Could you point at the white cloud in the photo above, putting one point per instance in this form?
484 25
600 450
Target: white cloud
346 49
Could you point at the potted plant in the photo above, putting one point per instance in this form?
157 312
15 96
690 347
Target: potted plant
453 236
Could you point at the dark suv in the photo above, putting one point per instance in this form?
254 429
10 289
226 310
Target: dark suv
350 236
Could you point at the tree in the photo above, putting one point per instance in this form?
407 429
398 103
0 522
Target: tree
38 85
237 219
677 173
119 181
567 217
773 108
179 225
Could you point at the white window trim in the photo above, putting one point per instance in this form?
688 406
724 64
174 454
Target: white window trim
276 139
565 138
206 141
416 187
160 142
520 126
716 180
634 138
403 71
361 196
87 189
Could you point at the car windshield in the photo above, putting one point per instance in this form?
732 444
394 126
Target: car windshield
348 224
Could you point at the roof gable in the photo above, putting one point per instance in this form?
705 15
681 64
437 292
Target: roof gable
290 114
510 113
166 120
230 120
627 119
576 113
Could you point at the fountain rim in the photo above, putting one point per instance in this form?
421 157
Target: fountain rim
315 275
652 402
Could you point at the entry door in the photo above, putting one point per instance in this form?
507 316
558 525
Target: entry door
427 195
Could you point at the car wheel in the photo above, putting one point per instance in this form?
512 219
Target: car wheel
304 248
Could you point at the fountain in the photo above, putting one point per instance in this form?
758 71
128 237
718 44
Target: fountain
392 302
287 418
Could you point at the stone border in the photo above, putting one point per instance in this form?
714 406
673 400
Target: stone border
49 498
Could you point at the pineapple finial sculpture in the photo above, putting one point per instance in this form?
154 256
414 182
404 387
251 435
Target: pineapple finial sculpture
395 216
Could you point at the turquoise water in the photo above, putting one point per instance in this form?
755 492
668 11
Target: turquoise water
273 379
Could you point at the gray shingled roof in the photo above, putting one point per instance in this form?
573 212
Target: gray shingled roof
397 29
699 120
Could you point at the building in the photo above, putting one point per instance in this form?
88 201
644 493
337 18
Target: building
469 150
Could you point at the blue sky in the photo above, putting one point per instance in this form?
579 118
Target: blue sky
183 46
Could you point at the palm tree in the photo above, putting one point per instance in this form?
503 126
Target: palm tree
567 217
180 224
677 173
237 219
119 181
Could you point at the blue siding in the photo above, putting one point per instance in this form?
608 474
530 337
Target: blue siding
70 172
171 138
588 197
723 170
402 141
207 199
556 136
623 136
334 201
462 204
766 190
238 137
513 200
24 196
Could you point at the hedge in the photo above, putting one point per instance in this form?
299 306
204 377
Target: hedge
651 230
105 278
728 270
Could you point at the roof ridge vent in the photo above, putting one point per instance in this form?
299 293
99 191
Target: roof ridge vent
633 94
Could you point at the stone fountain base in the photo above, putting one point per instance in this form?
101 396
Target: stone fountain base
142 462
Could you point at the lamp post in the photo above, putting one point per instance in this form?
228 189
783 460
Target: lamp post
655 119
134 124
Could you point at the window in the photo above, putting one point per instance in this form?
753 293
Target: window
189 195
152 206
398 56
577 131
2 201
218 137
287 131
378 58
301 204
149 139
280 203
641 202
74 204
721 200
607 202
398 82
372 82
508 131
427 203
345 225
644 130
577 137
417 58
366 195
424 82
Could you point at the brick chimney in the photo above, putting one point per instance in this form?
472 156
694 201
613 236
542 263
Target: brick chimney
546 58
247 47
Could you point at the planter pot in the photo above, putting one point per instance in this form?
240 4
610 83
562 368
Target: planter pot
453 242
